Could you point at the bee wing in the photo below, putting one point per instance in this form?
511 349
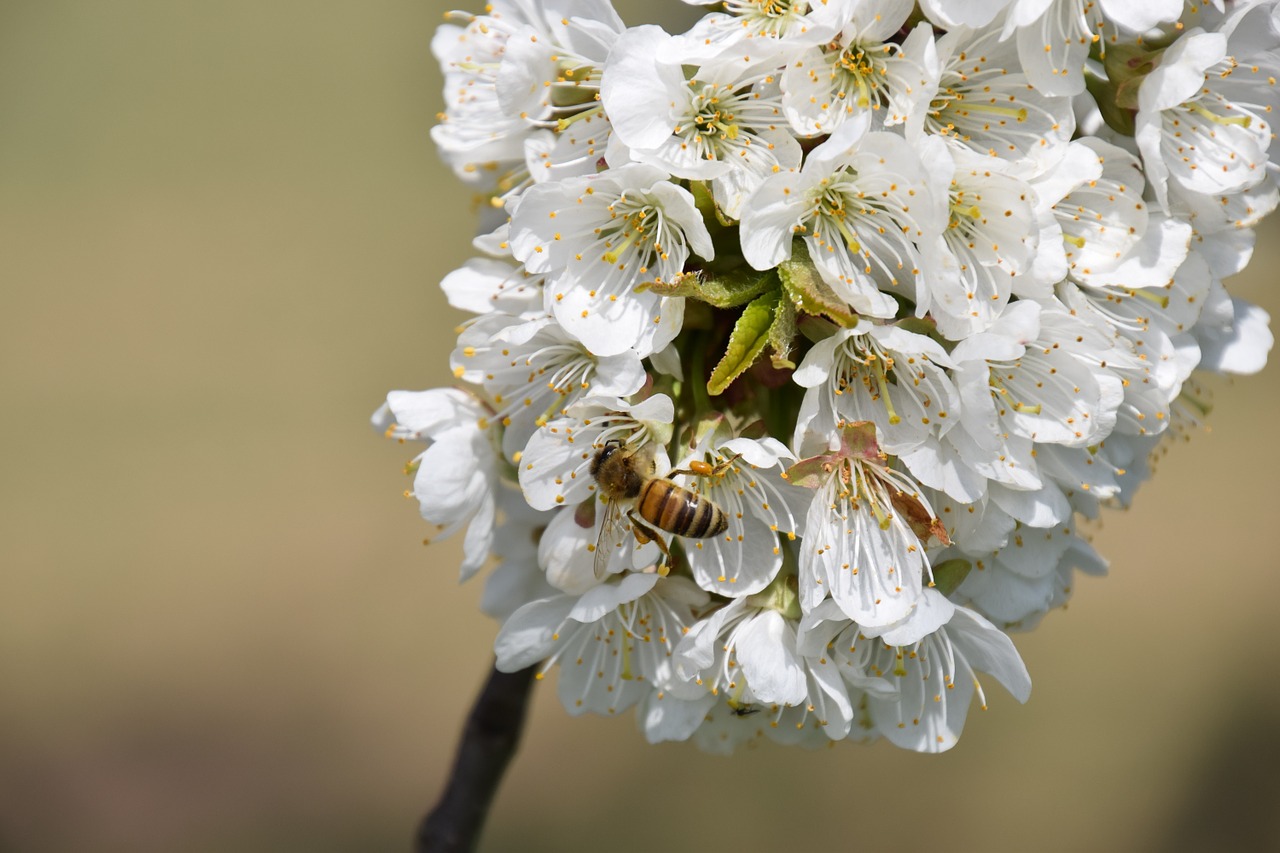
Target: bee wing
612 537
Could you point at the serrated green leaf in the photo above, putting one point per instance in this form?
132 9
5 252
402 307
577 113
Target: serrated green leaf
781 333
725 290
808 292
746 342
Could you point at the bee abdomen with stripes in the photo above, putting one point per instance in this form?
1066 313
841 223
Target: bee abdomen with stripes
675 509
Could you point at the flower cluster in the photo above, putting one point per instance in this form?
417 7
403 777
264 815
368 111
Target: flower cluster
801 341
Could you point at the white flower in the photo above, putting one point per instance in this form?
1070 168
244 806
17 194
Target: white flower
516 578
1031 575
936 676
950 14
1018 378
551 66
597 239
861 206
723 123
484 285
861 70
985 102
745 654
863 535
550 76
510 73
746 483
1019 387
476 136
918 677
903 237
884 374
1095 192
1155 350
989 242
456 477
748 653
1235 337
1054 36
555 468
533 370
1202 122
613 643
794 23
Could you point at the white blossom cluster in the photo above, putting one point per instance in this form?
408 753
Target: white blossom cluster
901 290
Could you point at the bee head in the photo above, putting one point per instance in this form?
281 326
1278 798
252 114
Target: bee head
603 454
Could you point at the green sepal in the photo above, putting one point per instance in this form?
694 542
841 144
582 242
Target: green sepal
808 292
781 333
746 342
1118 118
659 432
710 430
927 327
1127 65
782 595
949 574
815 328
719 291
706 204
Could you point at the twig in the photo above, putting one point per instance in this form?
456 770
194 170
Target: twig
489 739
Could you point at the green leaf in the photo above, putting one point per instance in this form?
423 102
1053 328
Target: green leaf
808 292
781 333
746 342
721 291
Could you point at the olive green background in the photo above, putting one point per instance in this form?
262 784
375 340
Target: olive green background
222 225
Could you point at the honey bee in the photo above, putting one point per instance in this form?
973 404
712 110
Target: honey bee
625 476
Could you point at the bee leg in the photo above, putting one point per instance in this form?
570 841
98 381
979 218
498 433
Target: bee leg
644 535
724 466
702 469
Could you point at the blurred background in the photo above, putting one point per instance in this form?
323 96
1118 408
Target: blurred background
222 226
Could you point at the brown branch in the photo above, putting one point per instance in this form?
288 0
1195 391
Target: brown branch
489 739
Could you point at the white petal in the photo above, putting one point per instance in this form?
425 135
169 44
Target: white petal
528 635
1244 346
598 601
637 89
766 650
990 650
931 612
667 718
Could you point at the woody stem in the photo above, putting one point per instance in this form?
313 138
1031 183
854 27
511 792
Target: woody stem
489 740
